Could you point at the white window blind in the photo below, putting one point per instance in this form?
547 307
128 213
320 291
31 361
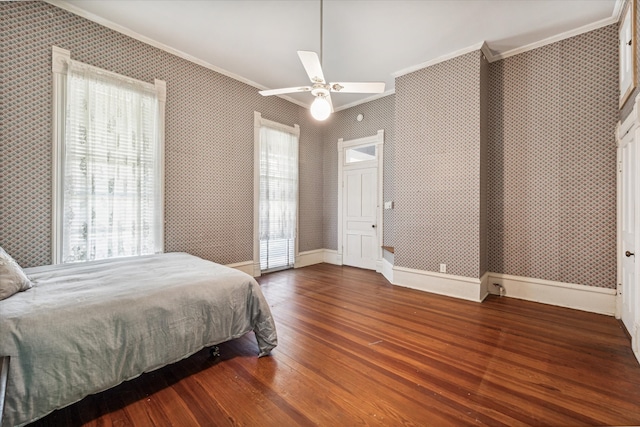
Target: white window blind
111 173
278 202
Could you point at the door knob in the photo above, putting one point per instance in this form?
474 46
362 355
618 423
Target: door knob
373 226
628 254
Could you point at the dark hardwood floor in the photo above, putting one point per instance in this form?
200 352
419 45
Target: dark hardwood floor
355 350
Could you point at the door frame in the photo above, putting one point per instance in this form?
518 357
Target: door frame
628 130
378 141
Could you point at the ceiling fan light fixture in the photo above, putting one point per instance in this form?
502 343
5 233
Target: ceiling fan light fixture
320 108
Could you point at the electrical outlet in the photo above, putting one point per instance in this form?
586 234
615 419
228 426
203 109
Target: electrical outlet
388 205
443 268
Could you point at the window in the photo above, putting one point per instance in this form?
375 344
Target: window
109 171
360 154
277 190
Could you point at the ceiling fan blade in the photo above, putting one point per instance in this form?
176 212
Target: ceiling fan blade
285 90
357 87
330 103
312 65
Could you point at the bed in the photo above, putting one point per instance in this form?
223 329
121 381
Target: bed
84 328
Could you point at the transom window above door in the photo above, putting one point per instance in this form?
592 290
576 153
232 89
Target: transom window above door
360 154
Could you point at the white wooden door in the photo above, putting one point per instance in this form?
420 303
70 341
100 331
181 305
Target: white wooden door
629 297
360 233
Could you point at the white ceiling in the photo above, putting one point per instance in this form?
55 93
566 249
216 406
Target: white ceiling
364 40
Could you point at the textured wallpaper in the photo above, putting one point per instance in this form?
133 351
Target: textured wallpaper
437 167
311 198
540 126
378 114
209 138
484 164
552 161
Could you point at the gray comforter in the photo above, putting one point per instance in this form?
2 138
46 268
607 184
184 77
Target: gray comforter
84 328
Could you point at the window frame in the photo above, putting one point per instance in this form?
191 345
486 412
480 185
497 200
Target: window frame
258 122
60 59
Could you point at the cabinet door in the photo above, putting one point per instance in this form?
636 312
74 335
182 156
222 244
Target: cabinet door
626 40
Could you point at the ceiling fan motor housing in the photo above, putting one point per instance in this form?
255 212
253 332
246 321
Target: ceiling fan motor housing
320 89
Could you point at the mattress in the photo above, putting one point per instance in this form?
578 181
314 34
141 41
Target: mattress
86 327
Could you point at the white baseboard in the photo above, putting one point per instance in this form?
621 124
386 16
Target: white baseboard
309 258
579 297
468 288
332 257
635 342
246 266
484 286
318 256
387 270
635 339
303 259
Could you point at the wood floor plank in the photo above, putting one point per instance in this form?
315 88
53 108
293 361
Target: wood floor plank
190 391
356 350
396 366
361 378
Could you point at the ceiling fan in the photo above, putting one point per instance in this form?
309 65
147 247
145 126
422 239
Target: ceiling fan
322 106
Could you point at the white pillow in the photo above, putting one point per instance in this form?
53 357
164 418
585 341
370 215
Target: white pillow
12 278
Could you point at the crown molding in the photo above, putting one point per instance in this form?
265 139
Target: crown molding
438 60
483 46
618 7
492 57
365 100
487 52
134 35
557 38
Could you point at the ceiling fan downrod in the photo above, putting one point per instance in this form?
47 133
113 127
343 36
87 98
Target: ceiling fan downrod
322 106
321 33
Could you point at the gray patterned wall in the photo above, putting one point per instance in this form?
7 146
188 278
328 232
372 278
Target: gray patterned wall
378 114
311 196
209 138
552 161
550 192
484 162
546 168
437 167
